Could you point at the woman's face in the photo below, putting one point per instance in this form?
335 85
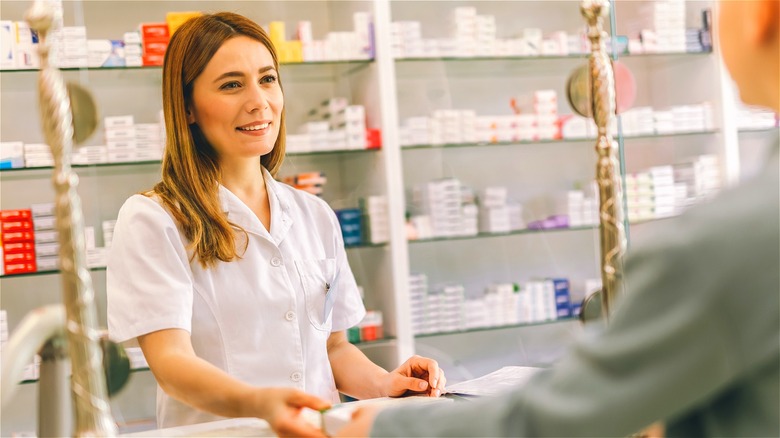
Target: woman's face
237 101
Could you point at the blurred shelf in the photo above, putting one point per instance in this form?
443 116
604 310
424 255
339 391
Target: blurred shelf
149 68
367 245
39 273
144 163
103 268
134 370
775 129
511 233
376 343
579 56
494 328
555 141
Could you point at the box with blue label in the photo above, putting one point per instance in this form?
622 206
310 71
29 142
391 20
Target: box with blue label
351 228
562 297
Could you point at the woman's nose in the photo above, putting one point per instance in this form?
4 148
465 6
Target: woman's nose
256 98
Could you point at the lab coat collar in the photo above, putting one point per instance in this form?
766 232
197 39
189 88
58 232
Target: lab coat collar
240 214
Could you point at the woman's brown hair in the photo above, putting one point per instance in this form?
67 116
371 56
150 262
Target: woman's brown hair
190 170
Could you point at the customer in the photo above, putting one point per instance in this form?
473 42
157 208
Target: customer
695 341
237 287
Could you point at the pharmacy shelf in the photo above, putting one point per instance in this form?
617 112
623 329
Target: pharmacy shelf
103 268
326 63
775 129
511 233
578 56
375 343
554 141
148 162
51 272
493 328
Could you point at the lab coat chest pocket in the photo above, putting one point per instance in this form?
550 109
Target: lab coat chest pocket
317 279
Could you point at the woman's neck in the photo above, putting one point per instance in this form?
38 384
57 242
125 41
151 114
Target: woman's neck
244 179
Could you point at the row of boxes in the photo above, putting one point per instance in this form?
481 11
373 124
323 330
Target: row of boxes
664 191
447 308
30 241
447 208
336 46
540 121
474 35
311 182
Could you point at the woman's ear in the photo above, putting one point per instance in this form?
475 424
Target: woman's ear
190 116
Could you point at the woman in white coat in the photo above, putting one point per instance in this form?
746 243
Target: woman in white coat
237 287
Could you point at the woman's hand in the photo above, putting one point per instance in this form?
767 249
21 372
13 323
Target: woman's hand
282 407
418 375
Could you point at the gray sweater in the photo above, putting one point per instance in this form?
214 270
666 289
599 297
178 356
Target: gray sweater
694 342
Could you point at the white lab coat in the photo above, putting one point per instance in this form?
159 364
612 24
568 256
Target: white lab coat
264 318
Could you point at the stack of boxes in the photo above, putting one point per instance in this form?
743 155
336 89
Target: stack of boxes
376 216
47 245
473 35
31 241
38 155
445 309
351 229
312 182
369 329
70 47
501 302
418 290
494 212
20 46
127 141
440 200
334 125
11 155
337 46
663 191
154 41
581 210
18 238
664 29
700 176
751 118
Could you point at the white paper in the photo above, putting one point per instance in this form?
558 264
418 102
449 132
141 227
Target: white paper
494 383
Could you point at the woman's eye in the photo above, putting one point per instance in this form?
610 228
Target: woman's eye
268 79
230 86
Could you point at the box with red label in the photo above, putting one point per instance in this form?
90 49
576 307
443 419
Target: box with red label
373 138
19 236
19 268
153 60
9 248
18 257
15 215
16 226
154 31
155 47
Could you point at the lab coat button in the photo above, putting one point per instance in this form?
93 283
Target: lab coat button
289 315
276 262
296 377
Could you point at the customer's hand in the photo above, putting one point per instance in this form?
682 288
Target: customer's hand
282 407
418 375
361 423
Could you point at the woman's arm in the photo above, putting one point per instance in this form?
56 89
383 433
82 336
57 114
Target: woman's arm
358 377
192 380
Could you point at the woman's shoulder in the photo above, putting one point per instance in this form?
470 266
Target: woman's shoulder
141 206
